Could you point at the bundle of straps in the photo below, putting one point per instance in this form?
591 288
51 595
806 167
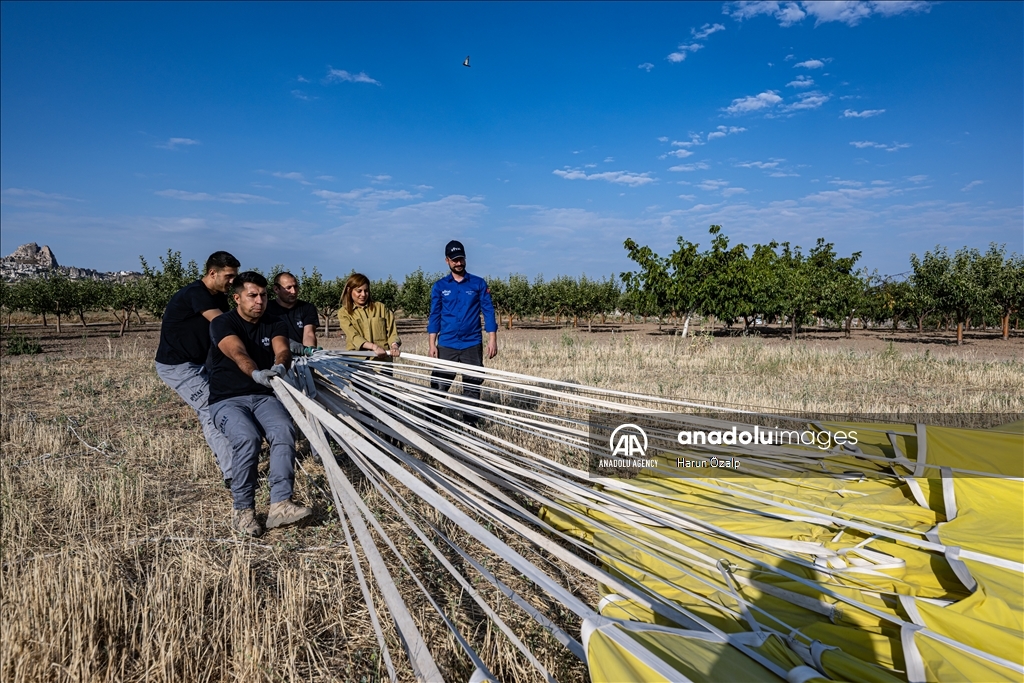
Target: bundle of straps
897 559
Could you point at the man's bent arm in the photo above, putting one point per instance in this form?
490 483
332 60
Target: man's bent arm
232 347
212 313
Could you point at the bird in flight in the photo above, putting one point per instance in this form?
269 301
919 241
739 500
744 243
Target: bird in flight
466 63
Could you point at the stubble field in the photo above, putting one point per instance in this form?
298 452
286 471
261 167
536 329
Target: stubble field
118 562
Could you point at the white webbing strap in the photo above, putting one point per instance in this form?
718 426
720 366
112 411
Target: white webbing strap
424 667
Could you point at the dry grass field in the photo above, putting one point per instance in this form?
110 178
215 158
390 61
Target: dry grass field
118 563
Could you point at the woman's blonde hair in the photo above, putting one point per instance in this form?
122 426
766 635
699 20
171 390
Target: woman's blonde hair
354 281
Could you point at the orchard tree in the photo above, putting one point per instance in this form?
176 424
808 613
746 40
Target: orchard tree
158 286
415 295
1007 288
386 292
325 295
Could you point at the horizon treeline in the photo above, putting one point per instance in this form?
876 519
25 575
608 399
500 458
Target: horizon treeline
736 285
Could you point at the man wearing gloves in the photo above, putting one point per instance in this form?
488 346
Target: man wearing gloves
185 344
453 328
300 317
248 349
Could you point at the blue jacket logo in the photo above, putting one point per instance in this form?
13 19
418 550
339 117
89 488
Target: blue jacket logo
446 292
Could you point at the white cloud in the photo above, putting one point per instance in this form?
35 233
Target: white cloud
866 114
292 175
846 183
618 177
849 12
29 198
722 131
783 174
302 79
744 105
175 143
730 191
971 185
608 160
810 64
299 95
364 198
917 178
864 144
758 164
807 100
328 178
663 139
712 185
646 66
382 178
801 82
695 140
226 197
705 31
681 51
688 197
677 153
787 13
696 166
339 75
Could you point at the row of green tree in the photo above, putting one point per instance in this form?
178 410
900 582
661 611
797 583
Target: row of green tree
774 282
767 284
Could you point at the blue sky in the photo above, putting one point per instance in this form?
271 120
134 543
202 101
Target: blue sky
350 135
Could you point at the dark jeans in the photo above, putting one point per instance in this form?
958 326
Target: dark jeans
442 379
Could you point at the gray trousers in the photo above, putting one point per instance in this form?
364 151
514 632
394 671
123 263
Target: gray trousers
245 421
189 381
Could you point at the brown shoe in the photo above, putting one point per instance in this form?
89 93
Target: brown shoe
244 522
286 512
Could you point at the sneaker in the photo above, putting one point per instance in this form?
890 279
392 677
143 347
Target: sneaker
244 522
227 483
286 512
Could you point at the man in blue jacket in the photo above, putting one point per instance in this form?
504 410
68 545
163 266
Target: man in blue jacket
456 302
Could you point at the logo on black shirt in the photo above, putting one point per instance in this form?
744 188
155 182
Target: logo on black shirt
266 341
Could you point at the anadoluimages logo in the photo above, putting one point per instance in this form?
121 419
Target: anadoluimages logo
628 441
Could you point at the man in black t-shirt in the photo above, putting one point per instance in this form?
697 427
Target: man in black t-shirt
300 317
248 349
185 342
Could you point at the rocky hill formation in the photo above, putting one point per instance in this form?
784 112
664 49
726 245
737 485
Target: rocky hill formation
30 260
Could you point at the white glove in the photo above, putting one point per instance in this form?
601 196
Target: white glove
295 347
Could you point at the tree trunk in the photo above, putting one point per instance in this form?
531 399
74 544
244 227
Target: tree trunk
792 333
58 323
959 334
849 325
327 327
44 319
1006 326
510 321
590 323
81 316
575 320
686 326
542 317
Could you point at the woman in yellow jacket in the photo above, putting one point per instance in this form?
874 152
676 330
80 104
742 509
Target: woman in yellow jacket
368 325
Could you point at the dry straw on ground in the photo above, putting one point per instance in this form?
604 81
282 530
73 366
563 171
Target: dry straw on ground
118 562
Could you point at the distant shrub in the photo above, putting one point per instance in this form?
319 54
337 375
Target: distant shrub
19 345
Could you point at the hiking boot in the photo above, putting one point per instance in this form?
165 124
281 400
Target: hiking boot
286 512
227 483
244 522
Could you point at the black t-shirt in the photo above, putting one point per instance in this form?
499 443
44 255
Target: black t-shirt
226 378
295 318
185 333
